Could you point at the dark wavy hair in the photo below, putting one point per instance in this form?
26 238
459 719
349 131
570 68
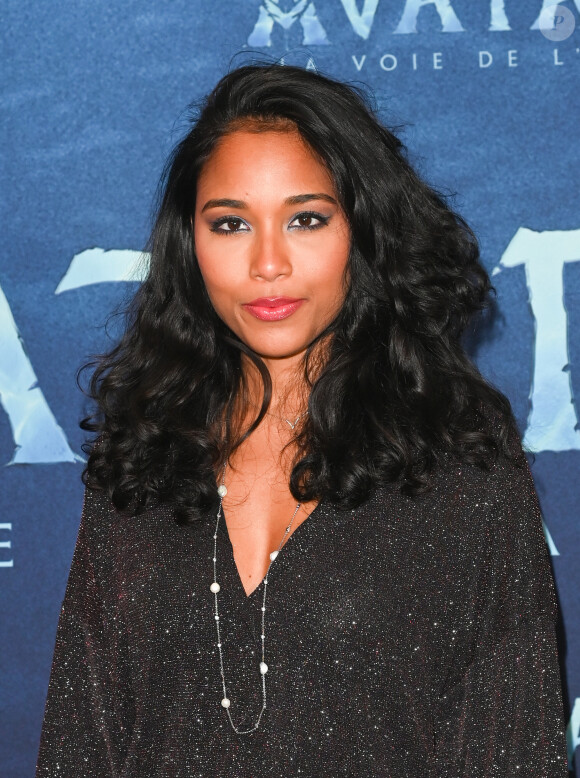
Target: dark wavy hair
396 391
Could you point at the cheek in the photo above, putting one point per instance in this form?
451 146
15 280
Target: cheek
334 277
215 265
222 296
209 271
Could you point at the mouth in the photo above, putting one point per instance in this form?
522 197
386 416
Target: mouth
273 308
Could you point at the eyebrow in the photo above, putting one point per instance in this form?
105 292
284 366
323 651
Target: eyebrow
225 202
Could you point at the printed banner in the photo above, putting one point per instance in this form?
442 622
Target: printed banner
485 96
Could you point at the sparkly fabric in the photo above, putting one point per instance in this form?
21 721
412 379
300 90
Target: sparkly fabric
410 637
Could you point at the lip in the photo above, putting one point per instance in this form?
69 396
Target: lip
273 308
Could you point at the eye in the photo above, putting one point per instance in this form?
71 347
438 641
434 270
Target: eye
229 224
309 221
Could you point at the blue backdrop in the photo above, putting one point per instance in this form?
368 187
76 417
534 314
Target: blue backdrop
94 95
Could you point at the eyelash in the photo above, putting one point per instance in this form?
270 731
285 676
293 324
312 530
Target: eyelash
322 221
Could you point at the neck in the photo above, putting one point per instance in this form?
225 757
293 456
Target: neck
289 389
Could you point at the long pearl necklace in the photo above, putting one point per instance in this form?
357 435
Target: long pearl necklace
215 589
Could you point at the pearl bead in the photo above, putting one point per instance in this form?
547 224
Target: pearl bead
215 588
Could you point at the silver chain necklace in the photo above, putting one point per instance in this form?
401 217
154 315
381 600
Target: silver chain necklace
289 422
292 425
215 589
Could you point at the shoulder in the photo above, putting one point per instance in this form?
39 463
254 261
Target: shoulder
497 506
114 537
498 533
475 540
99 515
467 496
472 517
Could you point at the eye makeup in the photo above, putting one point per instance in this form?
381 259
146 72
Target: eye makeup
232 225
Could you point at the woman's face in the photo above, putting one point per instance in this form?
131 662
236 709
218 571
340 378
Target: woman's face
271 240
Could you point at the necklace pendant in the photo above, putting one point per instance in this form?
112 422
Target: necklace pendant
296 420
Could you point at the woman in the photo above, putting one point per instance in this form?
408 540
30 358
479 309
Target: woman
310 542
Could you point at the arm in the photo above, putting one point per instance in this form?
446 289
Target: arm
87 708
502 716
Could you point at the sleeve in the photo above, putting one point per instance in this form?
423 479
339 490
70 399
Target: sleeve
501 716
88 708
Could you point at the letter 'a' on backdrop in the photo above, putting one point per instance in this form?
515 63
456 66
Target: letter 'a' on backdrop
93 99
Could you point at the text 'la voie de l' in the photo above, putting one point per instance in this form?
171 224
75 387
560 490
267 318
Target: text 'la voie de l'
435 60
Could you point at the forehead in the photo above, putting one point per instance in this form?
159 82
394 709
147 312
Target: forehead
269 160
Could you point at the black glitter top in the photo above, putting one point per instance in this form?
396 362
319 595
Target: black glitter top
411 637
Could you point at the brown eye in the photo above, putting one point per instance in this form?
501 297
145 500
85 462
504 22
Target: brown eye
229 225
308 221
233 225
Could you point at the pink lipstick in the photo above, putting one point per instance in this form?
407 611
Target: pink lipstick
273 308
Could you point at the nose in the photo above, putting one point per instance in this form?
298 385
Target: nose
270 256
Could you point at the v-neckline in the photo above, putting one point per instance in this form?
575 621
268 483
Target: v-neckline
223 528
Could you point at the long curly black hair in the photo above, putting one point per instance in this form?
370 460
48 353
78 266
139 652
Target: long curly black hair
396 392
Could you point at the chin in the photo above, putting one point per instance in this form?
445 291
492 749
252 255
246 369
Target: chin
273 350
279 354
